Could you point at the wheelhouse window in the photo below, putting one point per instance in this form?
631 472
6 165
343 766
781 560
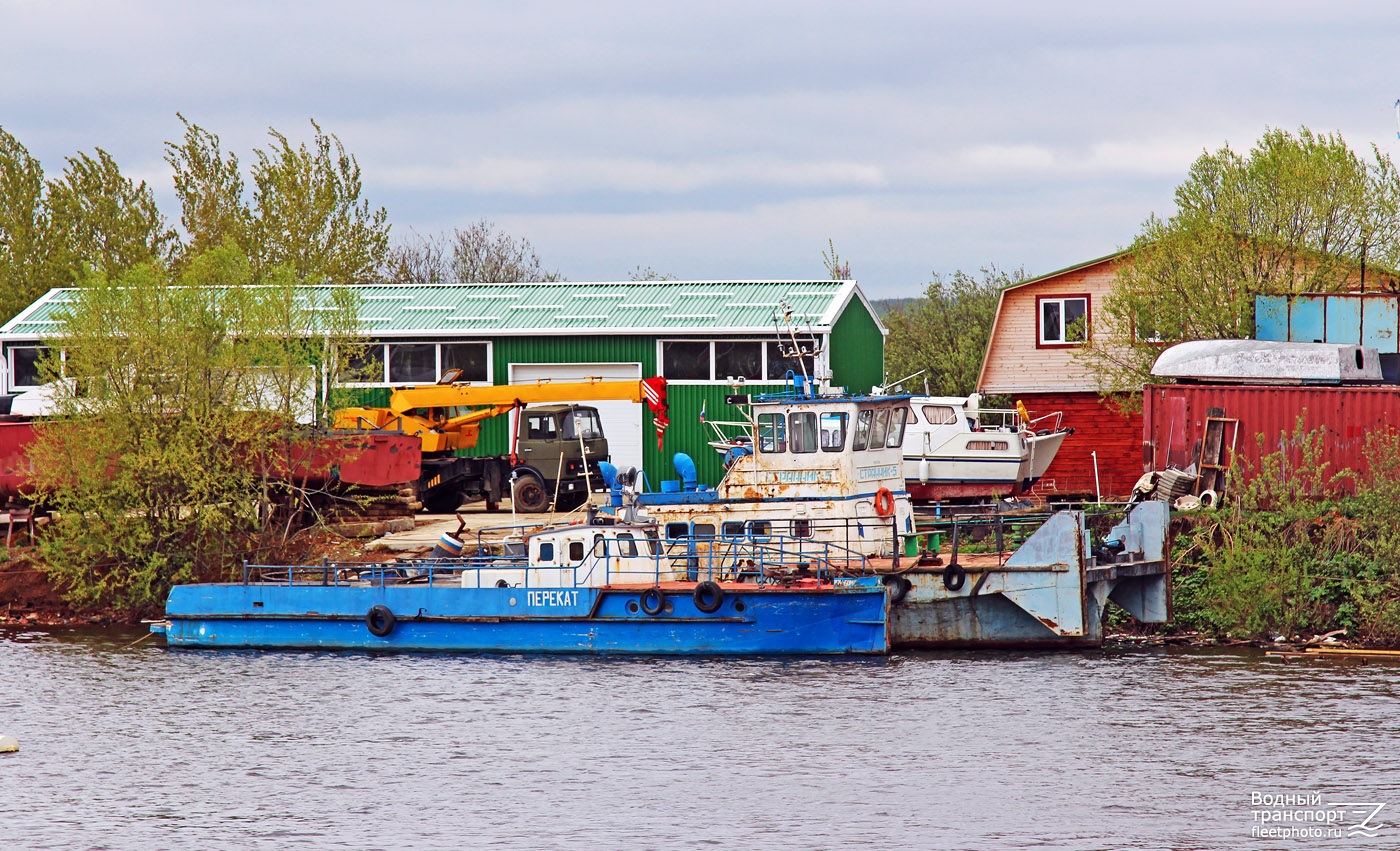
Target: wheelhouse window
803 430
1062 320
626 545
772 433
880 429
833 432
862 435
898 418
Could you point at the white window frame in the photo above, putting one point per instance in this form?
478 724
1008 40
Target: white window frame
1061 301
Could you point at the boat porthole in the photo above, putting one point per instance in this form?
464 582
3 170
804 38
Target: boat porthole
380 620
954 577
632 607
653 601
739 605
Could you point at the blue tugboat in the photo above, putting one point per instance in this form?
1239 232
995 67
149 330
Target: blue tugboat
596 586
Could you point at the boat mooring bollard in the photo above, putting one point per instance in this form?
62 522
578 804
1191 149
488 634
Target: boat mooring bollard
8 744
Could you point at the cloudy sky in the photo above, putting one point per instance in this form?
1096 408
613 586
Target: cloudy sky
721 140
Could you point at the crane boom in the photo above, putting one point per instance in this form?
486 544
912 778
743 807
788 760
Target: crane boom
537 392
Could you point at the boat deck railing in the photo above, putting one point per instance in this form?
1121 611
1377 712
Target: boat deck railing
773 560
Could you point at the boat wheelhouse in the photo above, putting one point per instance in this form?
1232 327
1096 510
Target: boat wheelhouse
825 468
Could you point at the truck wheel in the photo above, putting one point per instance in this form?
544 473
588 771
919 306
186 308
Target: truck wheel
529 495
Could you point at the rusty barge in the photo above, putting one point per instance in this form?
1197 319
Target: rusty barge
827 469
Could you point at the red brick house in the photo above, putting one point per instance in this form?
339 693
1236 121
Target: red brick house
1030 356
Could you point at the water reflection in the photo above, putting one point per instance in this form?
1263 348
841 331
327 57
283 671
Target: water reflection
139 747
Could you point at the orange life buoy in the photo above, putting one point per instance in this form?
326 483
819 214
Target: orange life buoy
884 502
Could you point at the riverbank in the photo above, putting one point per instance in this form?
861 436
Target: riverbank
27 597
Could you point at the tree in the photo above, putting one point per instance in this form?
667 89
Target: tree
1300 213
945 334
210 189
478 253
175 444
25 242
308 215
105 220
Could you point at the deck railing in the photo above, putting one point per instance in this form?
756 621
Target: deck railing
763 560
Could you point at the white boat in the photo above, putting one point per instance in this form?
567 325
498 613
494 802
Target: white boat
954 449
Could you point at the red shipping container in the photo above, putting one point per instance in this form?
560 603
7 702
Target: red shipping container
1174 419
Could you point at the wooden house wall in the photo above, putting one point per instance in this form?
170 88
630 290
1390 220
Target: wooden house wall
1101 434
1015 363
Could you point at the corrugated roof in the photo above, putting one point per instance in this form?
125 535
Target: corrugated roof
625 307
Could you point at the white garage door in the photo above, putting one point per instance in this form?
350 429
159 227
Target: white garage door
622 420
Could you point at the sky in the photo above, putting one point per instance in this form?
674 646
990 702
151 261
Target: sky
720 140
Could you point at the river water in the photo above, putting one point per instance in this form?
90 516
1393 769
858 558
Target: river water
147 748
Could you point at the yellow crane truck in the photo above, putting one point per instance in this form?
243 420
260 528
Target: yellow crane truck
554 453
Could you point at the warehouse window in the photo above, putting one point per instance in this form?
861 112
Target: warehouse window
24 366
782 359
723 360
417 363
738 359
1062 320
685 360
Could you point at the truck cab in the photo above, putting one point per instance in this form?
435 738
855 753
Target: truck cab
558 448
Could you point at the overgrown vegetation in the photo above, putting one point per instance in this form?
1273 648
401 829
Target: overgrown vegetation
1298 213
1287 556
187 360
944 335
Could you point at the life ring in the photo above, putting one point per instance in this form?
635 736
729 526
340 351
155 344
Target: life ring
380 620
708 597
954 577
899 587
653 600
884 502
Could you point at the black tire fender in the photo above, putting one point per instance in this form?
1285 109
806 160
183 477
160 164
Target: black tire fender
899 587
954 577
380 620
708 597
653 600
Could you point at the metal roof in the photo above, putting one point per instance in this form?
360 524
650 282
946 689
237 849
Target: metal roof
624 307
